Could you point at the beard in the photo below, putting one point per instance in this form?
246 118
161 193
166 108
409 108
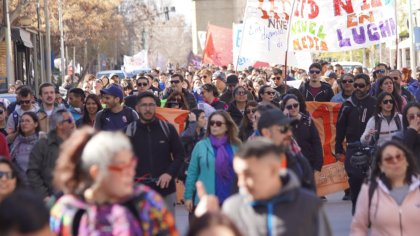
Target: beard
146 119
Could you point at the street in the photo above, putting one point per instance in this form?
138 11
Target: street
338 212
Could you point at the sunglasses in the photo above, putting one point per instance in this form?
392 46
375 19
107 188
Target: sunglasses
204 76
175 81
8 175
390 101
69 120
289 107
380 71
122 167
277 78
250 111
393 159
314 72
285 129
240 93
413 116
356 85
349 81
216 122
270 93
142 84
1 112
25 101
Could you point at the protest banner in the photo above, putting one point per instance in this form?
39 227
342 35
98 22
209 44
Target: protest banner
218 50
138 61
240 62
338 25
266 25
176 117
333 177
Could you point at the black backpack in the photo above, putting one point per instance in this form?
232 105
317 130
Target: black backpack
378 123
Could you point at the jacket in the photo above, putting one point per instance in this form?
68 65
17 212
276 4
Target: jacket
293 211
386 216
411 139
218 105
190 138
76 113
192 103
42 163
235 113
324 95
306 135
352 120
158 153
202 168
44 119
338 98
387 129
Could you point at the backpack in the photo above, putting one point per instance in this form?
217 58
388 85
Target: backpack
378 124
132 128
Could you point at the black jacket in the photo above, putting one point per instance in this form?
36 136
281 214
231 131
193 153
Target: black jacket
300 166
306 135
42 163
324 95
352 119
157 153
282 89
411 139
192 103
235 113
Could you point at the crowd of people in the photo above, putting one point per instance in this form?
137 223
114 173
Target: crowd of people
94 158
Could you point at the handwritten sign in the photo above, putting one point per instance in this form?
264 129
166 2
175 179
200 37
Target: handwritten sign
240 61
332 178
337 25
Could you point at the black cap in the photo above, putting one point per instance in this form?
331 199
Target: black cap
273 117
232 79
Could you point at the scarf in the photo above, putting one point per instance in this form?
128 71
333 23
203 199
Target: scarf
20 139
222 161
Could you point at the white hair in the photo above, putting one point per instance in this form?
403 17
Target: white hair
102 148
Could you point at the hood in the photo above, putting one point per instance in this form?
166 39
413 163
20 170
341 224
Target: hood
415 183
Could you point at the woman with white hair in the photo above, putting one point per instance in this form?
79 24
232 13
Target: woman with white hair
96 173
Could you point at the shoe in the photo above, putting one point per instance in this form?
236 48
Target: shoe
346 197
323 198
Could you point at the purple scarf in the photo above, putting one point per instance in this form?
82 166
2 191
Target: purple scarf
222 156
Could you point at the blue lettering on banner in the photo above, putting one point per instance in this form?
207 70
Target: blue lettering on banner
269 35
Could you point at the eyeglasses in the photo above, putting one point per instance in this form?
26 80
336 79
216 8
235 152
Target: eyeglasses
175 81
356 85
69 120
314 72
285 129
350 81
145 105
380 71
240 93
413 116
276 78
25 101
289 107
216 122
122 167
270 93
395 78
7 174
141 84
388 101
392 159
1 112
250 111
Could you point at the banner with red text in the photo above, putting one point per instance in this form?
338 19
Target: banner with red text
338 25
333 177
176 117
218 49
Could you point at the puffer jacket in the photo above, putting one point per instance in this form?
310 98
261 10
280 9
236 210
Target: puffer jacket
386 216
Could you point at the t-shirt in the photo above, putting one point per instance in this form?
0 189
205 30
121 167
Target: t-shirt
110 121
398 194
314 91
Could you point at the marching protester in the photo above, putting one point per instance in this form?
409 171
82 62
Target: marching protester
76 99
48 107
315 89
247 126
211 96
27 136
266 95
10 180
96 173
387 84
385 122
346 85
397 76
351 123
386 202
45 153
158 147
278 80
219 80
211 160
176 85
237 107
115 116
304 132
91 107
232 82
177 100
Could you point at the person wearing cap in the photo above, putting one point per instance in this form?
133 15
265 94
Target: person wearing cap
232 82
219 80
115 116
176 85
114 79
273 124
315 89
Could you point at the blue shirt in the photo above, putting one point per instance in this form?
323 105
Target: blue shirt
109 121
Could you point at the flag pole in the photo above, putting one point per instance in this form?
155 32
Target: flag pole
396 35
287 42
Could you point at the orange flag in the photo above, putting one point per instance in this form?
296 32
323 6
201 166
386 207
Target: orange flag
218 50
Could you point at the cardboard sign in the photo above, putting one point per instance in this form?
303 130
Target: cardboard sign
332 178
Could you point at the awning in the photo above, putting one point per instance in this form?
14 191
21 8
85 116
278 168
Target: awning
22 36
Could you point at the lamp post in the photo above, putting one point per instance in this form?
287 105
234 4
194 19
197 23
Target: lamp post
47 41
9 49
60 18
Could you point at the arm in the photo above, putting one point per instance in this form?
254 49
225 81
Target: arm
341 129
366 136
10 126
193 172
316 146
190 131
360 222
35 167
135 115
